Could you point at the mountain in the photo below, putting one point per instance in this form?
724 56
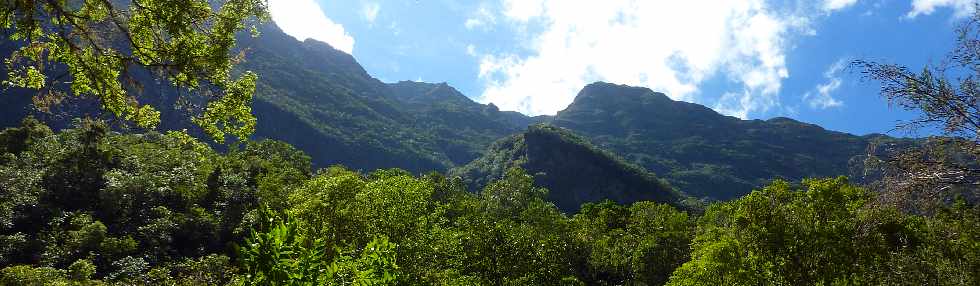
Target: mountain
322 101
428 99
462 128
573 170
700 151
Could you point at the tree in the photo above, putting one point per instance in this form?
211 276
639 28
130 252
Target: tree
640 244
947 97
104 50
782 235
825 232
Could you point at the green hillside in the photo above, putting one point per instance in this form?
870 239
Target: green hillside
348 180
700 151
323 102
572 169
88 206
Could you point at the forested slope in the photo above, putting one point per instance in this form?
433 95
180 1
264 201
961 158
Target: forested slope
575 171
88 206
701 151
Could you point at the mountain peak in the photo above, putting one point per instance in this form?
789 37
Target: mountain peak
609 96
606 108
273 44
782 119
604 84
602 89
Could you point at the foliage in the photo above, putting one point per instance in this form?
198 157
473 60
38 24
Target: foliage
129 204
87 206
165 209
103 49
31 276
288 255
826 234
944 96
628 245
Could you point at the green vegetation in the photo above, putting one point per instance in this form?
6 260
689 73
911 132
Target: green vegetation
103 49
323 102
704 153
944 97
827 232
125 203
574 169
87 206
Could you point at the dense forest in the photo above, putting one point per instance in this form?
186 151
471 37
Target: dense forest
88 206
151 148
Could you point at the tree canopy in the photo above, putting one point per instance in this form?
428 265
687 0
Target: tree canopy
108 50
89 206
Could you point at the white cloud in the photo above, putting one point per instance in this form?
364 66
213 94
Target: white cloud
472 23
471 50
670 46
482 18
370 11
822 99
303 19
962 8
833 5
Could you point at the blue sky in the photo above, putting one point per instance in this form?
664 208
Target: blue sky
754 59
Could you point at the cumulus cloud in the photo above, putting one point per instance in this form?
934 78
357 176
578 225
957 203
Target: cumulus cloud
370 11
303 19
670 46
832 5
962 8
821 97
482 18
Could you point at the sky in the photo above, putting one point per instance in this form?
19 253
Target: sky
753 59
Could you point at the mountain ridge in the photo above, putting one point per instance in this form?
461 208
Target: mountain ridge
322 101
700 150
